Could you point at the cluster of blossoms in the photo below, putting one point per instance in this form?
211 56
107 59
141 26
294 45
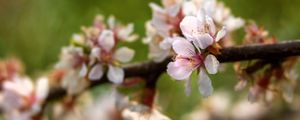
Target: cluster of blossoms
165 23
108 106
270 79
94 52
20 98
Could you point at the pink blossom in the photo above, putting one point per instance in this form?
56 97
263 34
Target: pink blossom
189 59
105 54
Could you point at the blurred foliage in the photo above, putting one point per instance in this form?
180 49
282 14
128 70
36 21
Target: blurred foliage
35 31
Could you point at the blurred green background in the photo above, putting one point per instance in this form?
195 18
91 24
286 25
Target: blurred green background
35 31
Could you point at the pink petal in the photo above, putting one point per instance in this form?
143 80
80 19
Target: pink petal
183 48
211 64
180 69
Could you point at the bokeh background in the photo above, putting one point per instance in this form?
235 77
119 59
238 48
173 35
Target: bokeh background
35 31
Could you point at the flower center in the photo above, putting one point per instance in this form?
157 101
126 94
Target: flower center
106 57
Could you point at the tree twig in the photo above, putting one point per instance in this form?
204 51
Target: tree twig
230 54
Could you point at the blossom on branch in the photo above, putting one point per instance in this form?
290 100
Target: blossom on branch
95 53
21 99
196 51
166 20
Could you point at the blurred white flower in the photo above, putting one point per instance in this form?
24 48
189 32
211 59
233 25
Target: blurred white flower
216 106
155 42
217 10
21 100
107 107
244 110
72 61
141 112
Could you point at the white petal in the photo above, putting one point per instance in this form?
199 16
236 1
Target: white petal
205 85
287 91
161 26
42 89
96 53
173 10
253 94
188 25
189 8
111 22
211 64
221 34
124 54
183 48
106 40
115 74
96 72
156 53
211 25
125 32
233 23
188 87
166 44
203 41
181 69
83 71
201 16
156 8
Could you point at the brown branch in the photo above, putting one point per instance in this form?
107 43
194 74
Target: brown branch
151 70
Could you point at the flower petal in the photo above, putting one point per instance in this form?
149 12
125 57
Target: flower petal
156 53
115 74
221 34
173 10
124 54
111 22
83 71
203 41
188 87
183 48
201 16
211 64
42 89
189 8
205 85
188 25
166 44
96 72
96 53
233 23
125 32
211 25
181 69
106 40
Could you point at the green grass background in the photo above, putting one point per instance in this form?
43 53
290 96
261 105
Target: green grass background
35 30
